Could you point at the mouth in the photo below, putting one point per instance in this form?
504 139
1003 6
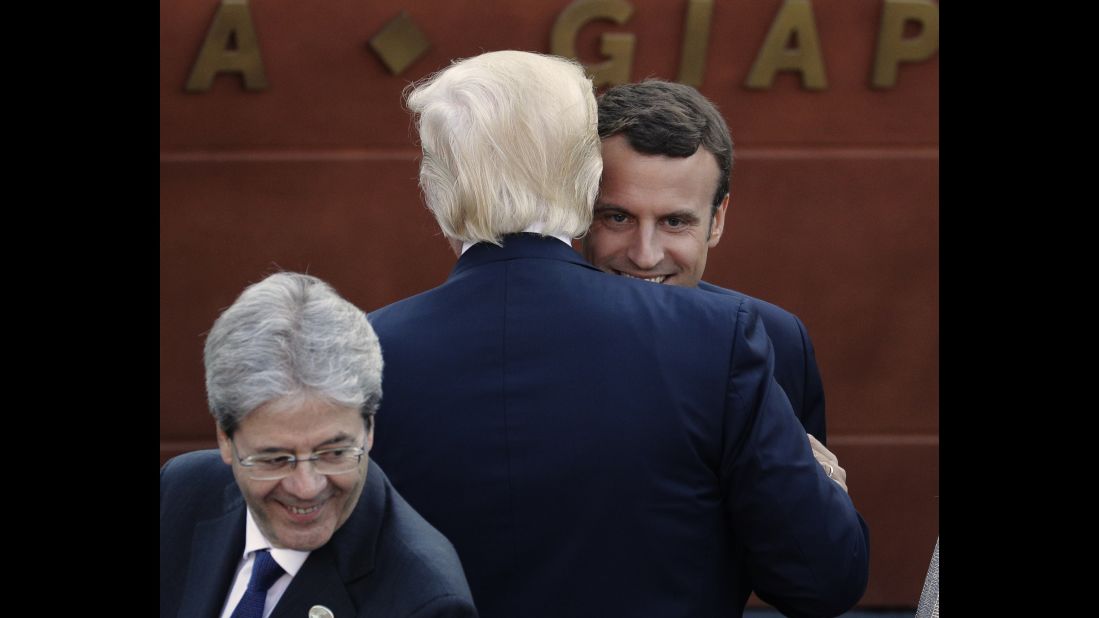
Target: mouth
654 279
303 514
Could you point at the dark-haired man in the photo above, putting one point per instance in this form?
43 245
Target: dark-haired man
667 156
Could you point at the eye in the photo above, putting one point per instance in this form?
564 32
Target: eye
616 218
333 455
272 462
675 222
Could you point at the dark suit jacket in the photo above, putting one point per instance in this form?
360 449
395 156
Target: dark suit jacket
384 561
601 446
795 362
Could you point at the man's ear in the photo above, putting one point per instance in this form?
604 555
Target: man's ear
225 447
717 223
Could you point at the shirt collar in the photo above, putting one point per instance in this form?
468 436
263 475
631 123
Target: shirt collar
290 560
533 229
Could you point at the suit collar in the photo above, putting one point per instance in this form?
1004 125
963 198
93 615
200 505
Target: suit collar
215 552
518 246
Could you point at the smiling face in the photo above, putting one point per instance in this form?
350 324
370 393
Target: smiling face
303 510
653 215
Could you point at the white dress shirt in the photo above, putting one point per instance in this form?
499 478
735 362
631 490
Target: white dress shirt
289 559
534 229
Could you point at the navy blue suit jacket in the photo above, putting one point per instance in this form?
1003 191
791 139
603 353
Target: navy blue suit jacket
601 446
795 361
385 560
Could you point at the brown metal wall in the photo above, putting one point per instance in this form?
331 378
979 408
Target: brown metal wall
834 213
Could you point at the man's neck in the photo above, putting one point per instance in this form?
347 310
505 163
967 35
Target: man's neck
533 229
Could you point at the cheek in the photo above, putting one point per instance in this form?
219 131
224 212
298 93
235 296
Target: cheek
256 494
259 491
688 254
351 485
606 243
350 493
700 263
700 257
345 486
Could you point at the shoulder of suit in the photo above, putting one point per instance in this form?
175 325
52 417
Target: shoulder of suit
192 463
193 478
394 309
419 547
770 312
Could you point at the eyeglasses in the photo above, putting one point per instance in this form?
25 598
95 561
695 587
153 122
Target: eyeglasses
328 462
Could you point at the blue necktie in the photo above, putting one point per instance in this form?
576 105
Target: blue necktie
265 571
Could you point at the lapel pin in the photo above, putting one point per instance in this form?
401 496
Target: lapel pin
320 611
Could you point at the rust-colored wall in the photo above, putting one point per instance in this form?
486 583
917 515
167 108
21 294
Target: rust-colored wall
834 212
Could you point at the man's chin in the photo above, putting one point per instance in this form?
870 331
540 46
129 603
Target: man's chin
302 540
299 536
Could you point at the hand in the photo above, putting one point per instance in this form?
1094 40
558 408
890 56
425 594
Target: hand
829 462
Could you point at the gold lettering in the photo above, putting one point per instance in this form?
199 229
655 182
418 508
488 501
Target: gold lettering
893 48
795 18
232 24
618 47
696 35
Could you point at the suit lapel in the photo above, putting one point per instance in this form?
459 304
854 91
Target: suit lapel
317 583
216 549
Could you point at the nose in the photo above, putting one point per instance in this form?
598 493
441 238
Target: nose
645 251
304 482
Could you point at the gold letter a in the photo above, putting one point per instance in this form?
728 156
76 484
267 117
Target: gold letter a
232 22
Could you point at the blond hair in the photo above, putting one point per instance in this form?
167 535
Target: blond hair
510 139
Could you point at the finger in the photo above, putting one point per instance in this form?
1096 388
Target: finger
821 452
840 475
818 448
813 442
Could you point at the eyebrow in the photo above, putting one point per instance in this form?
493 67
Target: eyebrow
340 437
687 215
336 439
602 206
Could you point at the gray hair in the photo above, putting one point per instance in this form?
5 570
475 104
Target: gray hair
291 335
509 140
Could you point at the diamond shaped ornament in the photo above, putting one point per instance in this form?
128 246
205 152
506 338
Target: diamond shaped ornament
399 43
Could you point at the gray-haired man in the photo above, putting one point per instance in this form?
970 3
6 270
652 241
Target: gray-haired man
284 514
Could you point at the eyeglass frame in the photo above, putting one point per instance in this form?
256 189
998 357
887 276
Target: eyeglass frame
293 459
